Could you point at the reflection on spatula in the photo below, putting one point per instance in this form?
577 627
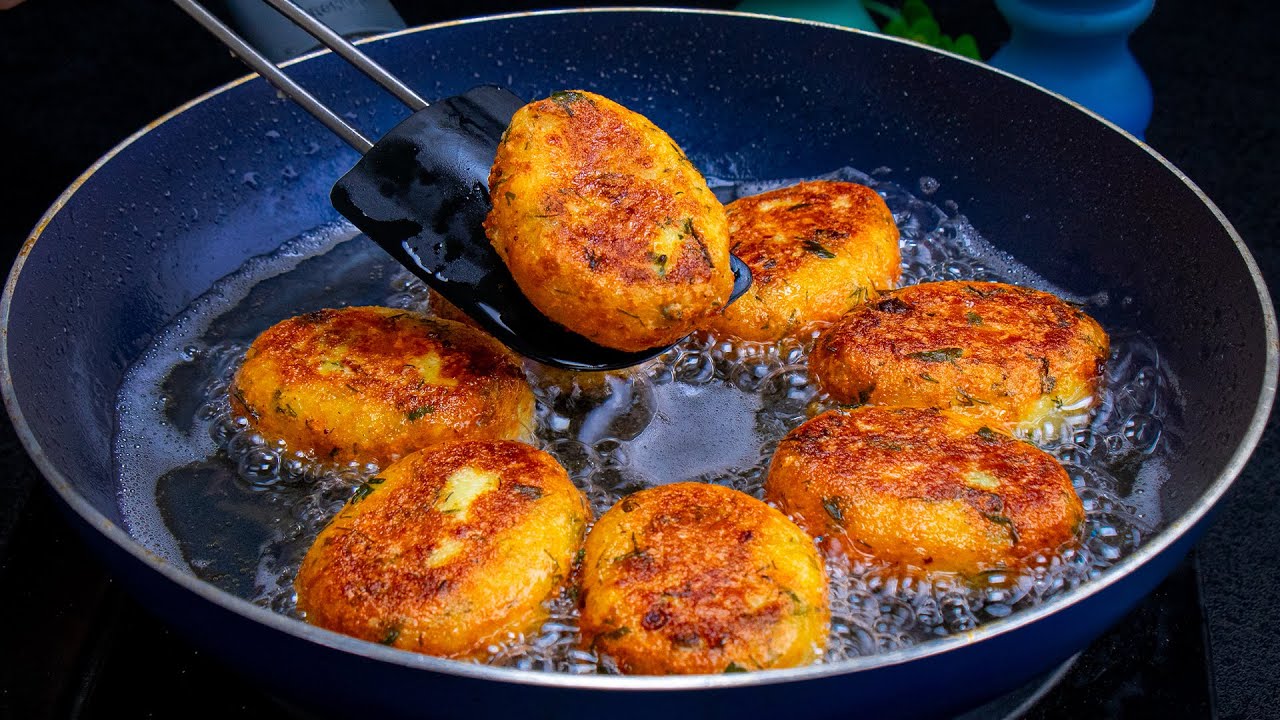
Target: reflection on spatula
421 193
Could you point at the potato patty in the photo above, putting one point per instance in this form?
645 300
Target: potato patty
445 310
924 487
447 550
816 250
695 578
369 384
1009 355
606 226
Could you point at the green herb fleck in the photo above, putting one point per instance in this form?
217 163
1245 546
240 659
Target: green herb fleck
832 506
566 99
659 264
510 196
928 378
988 434
968 400
973 318
253 412
417 414
391 635
948 354
881 443
734 667
618 633
1006 522
893 305
635 552
983 293
798 206
811 245
533 492
365 489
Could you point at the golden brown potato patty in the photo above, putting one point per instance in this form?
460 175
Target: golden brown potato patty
447 550
1008 355
605 224
369 384
696 578
816 250
446 310
923 487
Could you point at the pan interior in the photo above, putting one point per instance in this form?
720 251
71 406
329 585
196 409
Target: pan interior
201 489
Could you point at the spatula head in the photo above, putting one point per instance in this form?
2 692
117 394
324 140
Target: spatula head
422 194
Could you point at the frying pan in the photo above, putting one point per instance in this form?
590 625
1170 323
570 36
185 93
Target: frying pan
168 212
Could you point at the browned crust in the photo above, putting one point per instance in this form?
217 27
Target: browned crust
369 384
815 249
695 578
605 224
446 310
371 573
1002 353
923 487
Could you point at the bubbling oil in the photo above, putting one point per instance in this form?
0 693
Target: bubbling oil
200 488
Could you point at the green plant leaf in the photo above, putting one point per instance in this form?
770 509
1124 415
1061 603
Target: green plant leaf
966 45
896 27
926 30
916 22
915 10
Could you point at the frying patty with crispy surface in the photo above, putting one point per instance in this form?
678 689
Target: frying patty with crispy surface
1008 355
923 487
816 250
696 578
445 310
370 384
606 226
447 550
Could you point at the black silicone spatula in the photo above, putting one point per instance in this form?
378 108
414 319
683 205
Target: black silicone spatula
421 193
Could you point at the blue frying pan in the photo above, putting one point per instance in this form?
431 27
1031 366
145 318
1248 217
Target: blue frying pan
167 213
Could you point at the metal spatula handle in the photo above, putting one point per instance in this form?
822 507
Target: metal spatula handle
348 52
293 90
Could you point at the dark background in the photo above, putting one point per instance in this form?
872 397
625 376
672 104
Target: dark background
78 76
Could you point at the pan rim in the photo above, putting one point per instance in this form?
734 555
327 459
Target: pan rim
300 629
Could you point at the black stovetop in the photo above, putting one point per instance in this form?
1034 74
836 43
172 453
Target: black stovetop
77 76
